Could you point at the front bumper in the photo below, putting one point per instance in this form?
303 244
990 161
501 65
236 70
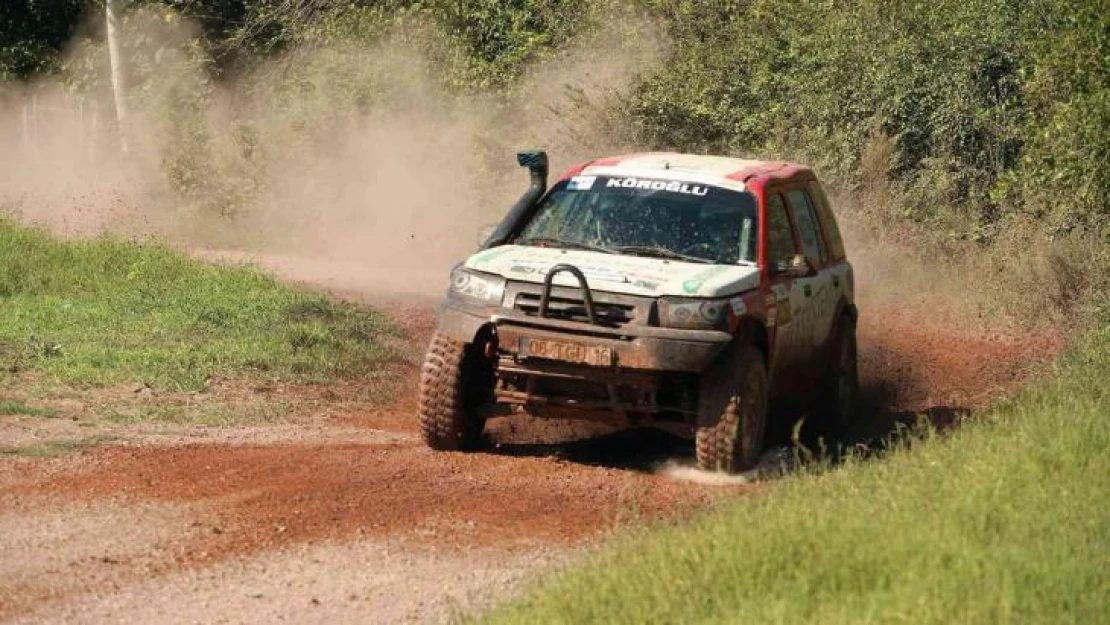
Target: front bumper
633 346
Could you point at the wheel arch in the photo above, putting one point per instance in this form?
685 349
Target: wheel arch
844 310
844 307
752 331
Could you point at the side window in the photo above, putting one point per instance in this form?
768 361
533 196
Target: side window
808 226
828 220
780 237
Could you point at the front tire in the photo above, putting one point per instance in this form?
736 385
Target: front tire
732 412
448 419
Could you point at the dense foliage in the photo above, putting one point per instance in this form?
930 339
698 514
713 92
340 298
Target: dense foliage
992 105
33 32
982 109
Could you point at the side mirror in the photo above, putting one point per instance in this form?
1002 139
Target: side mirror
798 267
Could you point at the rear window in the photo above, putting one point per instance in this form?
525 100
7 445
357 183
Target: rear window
809 229
828 220
780 236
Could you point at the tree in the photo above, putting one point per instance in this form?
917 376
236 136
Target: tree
112 21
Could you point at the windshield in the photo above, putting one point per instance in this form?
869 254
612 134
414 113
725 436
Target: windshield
646 217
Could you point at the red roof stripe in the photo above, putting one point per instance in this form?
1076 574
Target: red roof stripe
613 161
573 171
759 168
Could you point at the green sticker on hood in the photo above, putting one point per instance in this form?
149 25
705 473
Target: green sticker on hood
696 282
486 256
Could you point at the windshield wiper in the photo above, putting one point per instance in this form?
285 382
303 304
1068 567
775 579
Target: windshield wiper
660 252
570 245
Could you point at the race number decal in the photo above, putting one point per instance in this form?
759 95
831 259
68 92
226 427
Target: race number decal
581 183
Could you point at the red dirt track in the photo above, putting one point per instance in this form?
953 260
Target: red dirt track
237 501
269 496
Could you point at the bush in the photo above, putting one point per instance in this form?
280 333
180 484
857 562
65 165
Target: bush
975 95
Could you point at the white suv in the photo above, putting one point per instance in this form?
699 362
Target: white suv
673 290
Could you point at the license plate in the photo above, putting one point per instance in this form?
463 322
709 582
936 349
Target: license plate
596 355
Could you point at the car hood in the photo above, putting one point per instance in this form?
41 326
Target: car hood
614 273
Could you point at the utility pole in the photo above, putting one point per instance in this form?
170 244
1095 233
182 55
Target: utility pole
112 18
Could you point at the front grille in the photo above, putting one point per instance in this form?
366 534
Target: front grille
574 309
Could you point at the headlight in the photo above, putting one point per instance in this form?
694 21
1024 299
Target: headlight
693 314
473 285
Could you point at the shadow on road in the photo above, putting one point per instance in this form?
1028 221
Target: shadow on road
882 421
880 425
637 449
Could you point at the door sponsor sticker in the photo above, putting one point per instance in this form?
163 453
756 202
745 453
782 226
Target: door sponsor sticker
738 306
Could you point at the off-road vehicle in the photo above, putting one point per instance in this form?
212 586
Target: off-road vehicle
673 290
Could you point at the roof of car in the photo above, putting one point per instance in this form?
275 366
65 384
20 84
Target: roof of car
721 171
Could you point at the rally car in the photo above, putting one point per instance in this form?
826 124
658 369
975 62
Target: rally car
673 290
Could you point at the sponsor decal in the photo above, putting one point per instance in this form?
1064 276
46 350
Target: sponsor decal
693 284
539 262
769 302
482 258
592 272
581 183
785 312
657 185
619 272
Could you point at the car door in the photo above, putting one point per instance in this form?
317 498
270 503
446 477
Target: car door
819 296
781 297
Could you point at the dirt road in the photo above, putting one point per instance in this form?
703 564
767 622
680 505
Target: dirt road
353 520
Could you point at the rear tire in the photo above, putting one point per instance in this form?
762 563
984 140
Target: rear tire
732 412
839 399
448 420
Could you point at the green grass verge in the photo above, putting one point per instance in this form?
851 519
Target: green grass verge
109 311
8 407
50 449
1005 520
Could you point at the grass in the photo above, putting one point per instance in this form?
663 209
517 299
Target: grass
13 407
51 449
108 311
1004 520
249 410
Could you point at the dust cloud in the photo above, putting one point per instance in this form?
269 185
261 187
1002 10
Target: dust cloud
359 167
360 160
774 462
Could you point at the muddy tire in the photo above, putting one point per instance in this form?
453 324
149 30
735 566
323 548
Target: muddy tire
839 398
732 412
447 417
